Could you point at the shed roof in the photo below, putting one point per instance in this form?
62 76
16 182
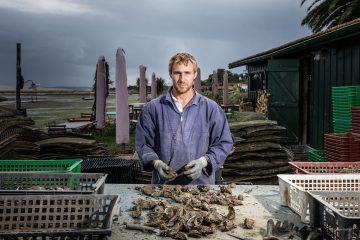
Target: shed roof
332 34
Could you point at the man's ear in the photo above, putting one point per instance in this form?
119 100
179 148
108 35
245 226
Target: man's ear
195 75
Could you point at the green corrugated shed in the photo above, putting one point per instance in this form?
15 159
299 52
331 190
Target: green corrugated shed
325 59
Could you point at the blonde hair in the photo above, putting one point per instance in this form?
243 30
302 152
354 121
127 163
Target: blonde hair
184 58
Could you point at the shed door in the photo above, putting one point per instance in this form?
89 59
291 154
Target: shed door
283 85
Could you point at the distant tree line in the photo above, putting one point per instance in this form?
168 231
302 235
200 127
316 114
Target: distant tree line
232 77
161 85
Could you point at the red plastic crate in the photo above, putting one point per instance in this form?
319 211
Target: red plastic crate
325 167
355 119
341 147
331 158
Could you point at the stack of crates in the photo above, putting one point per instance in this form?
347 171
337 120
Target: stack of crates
315 155
119 170
343 98
297 152
340 175
54 200
341 147
355 118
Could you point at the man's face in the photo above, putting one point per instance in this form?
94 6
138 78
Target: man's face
183 77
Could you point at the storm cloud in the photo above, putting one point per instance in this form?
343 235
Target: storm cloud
62 40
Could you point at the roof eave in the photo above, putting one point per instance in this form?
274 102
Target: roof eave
350 30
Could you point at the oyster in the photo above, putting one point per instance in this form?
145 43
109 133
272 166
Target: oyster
231 213
145 204
172 173
225 189
203 188
180 235
194 234
170 232
214 217
148 190
205 230
135 211
227 225
249 223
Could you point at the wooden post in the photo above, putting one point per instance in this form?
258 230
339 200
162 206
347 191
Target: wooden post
18 76
19 81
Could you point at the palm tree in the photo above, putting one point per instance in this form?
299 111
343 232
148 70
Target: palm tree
329 13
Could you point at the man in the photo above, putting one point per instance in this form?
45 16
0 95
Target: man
183 131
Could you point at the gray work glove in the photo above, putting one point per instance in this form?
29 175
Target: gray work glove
194 168
163 169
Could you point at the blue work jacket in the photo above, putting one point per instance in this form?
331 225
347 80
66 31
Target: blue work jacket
163 133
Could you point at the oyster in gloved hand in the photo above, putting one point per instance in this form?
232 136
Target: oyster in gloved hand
172 173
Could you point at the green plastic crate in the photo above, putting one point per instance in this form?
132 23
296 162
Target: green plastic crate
345 96
342 130
344 89
339 127
342 111
342 122
316 155
63 165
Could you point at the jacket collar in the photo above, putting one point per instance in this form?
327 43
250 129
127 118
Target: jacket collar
195 100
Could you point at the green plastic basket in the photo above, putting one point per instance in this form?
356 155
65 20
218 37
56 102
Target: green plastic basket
63 165
316 155
344 89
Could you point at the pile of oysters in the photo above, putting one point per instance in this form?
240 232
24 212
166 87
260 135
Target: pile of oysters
186 211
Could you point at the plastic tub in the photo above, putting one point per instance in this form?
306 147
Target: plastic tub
325 167
51 183
294 187
62 165
87 216
337 213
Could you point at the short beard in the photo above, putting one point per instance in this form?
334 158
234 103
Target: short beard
179 91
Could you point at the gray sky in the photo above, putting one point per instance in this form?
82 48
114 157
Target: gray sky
62 39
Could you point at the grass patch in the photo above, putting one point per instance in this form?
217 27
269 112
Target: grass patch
107 137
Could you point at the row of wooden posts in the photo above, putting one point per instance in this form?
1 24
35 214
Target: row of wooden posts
122 116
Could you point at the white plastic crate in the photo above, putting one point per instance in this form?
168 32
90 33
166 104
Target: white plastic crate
337 213
294 187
